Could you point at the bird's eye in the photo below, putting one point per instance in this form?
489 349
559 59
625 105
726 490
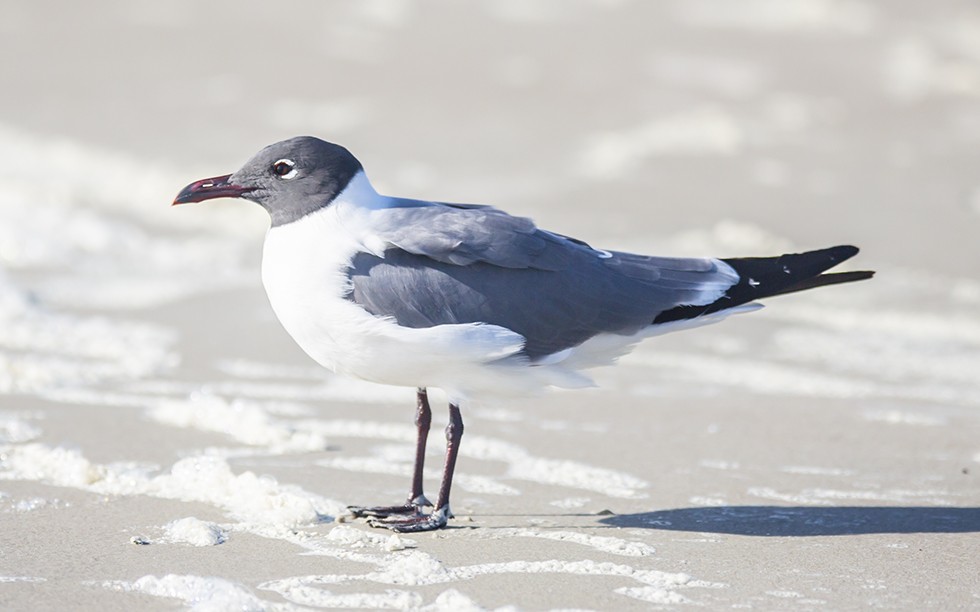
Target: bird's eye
284 168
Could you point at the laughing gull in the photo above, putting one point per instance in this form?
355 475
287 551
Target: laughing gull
468 298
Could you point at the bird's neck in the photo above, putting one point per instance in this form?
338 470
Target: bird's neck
361 194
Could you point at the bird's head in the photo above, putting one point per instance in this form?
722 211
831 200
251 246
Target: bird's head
290 179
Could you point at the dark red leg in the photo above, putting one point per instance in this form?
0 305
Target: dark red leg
423 418
416 498
441 514
454 434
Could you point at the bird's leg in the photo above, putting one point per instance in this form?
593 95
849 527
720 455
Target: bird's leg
441 514
416 498
454 434
423 418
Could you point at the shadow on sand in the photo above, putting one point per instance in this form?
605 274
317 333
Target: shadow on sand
789 521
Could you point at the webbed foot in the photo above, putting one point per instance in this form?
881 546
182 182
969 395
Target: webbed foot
411 508
437 519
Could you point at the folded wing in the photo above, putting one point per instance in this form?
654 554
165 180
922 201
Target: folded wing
451 265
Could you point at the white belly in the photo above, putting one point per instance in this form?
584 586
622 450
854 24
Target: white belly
304 270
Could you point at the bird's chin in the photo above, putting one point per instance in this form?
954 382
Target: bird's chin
211 188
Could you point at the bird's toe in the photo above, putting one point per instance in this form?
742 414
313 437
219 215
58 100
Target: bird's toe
437 519
409 509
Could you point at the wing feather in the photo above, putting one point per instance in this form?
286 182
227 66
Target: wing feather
451 265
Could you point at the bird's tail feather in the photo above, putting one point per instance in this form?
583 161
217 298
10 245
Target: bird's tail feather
823 280
762 277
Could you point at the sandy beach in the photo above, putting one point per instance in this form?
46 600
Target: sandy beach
165 445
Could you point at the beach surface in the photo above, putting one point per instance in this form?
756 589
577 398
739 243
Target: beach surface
164 444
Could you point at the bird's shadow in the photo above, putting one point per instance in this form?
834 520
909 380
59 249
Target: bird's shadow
803 521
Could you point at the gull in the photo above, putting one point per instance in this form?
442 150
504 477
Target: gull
468 298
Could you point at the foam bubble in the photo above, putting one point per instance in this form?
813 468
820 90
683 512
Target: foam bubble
245 421
194 531
199 593
259 503
45 349
15 430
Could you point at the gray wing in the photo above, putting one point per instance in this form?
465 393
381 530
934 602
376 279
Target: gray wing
462 234
468 265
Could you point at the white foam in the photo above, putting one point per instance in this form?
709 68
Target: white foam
449 600
92 218
389 599
416 568
245 421
785 594
938 497
708 501
397 571
58 466
719 464
100 179
816 471
770 493
34 579
29 504
15 430
357 538
201 594
46 350
654 595
452 600
194 531
259 503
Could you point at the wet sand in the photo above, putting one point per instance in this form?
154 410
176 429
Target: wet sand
163 442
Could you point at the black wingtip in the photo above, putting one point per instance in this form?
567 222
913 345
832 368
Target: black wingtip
837 254
823 280
762 277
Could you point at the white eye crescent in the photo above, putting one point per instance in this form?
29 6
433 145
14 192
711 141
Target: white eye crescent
285 169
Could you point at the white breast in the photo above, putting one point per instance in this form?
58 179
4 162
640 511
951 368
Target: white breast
304 270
